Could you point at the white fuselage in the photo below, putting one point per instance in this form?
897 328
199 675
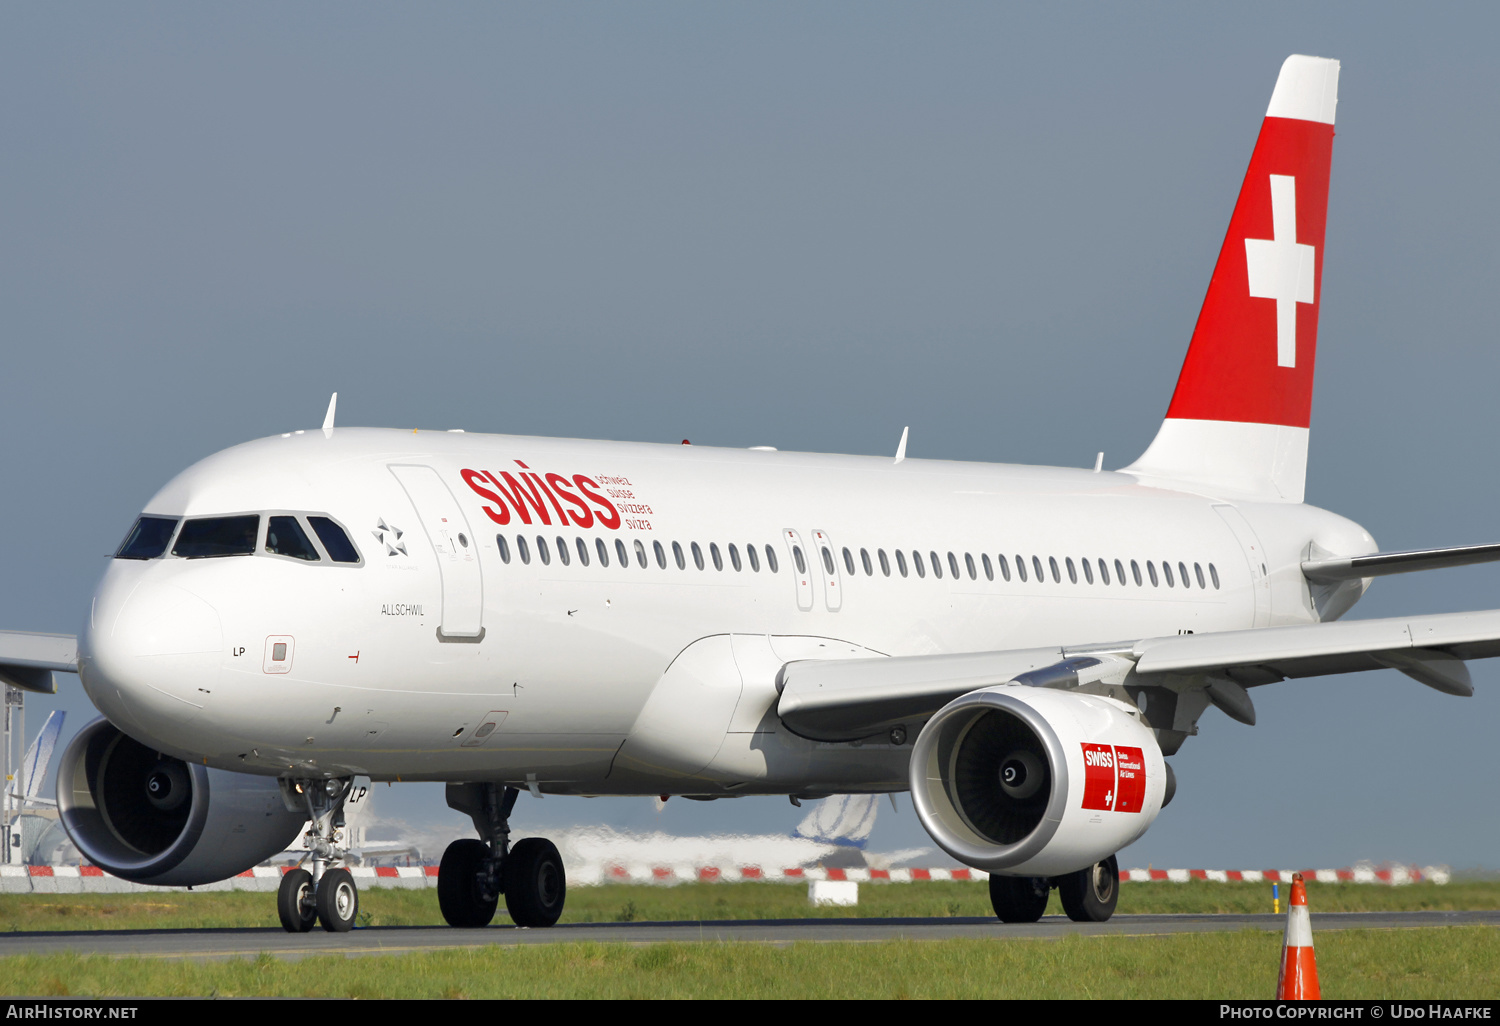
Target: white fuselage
386 675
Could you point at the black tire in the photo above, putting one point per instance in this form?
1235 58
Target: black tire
535 884
294 901
338 901
460 893
1090 895
1019 899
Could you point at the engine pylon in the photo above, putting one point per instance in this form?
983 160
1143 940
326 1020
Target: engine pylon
1299 968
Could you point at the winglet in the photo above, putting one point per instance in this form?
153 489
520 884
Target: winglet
901 449
328 417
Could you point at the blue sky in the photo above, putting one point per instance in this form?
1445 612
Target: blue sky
800 225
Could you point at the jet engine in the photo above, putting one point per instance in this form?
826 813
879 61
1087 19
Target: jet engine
1030 781
151 818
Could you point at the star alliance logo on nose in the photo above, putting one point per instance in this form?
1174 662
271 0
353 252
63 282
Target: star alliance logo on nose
390 537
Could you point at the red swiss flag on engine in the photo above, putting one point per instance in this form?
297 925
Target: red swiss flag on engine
1255 344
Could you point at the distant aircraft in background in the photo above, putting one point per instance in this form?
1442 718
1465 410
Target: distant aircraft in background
1020 647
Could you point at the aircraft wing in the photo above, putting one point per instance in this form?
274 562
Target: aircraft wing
28 660
847 700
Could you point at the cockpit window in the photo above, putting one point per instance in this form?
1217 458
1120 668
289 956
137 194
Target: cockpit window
148 538
218 536
340 548
285 537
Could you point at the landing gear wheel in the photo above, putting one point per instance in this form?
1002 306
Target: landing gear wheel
294 901
460 891
1019 899
535 885
1090 895
338 901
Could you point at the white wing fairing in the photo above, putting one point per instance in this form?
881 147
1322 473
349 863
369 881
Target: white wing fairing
1018 645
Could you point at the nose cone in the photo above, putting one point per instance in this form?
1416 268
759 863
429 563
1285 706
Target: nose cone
150 655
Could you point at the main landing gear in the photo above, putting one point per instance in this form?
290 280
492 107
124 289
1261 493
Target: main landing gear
1088 896
326 895
474 873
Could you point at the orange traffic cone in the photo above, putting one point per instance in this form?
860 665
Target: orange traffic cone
1299 969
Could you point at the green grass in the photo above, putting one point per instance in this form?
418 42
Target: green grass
620 903
1455 962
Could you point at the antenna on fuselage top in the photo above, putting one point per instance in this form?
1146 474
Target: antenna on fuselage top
328 417
901 449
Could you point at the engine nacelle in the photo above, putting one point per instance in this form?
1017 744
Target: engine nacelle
154 819
1029 781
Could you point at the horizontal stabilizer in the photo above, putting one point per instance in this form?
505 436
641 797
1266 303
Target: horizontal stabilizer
1378 564
28 660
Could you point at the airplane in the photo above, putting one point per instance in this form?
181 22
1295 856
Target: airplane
1019 647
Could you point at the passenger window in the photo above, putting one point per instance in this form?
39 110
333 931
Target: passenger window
864 558
678 556
1198 572
771 563
916 561
504 547
1182 572
1021 568
622 555
521 549
640 554
335 542
713 551
562 552
797 556
885 563
953 565
754 558
1151 570
697 556
1056 577
1004 568
901 562
828 561
218 536
542 551
285 537
147 539
849 561
661 554
583 551
603 551
1036 564
989 568
1120 574
969 566
1166 569
1135 571
1072 573
734 557
937 565
1104 572
1088 571
1214 573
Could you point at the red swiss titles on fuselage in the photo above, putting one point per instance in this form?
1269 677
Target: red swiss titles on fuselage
524 493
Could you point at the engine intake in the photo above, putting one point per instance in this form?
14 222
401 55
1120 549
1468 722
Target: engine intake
1035 782
152 818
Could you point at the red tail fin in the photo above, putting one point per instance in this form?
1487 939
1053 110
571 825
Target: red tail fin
1253 350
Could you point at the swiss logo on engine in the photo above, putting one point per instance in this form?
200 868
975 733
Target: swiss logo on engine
1114 778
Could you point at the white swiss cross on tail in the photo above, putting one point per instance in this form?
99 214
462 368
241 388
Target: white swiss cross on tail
1280 268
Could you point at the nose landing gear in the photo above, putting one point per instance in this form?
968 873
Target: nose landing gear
328 894
474 873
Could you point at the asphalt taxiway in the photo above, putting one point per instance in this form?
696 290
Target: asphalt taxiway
392 940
